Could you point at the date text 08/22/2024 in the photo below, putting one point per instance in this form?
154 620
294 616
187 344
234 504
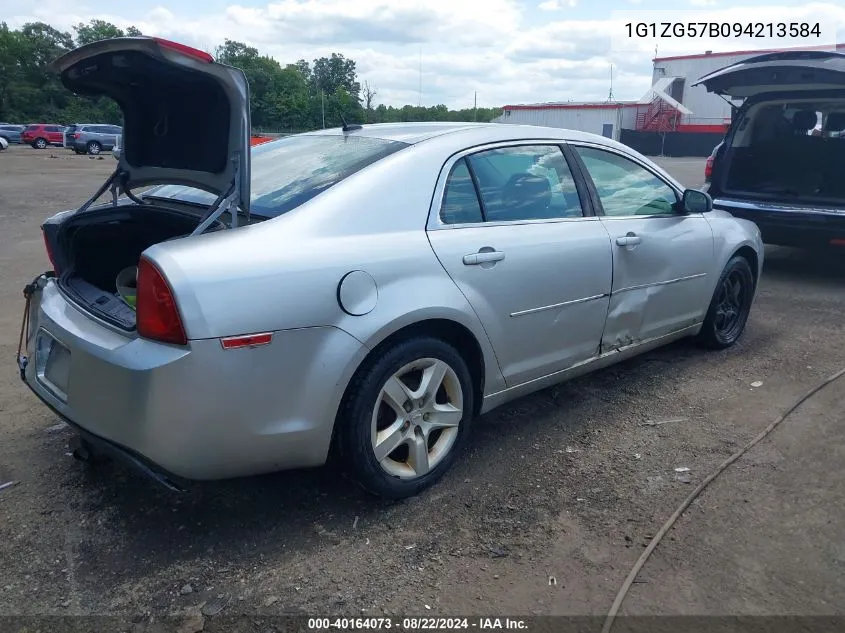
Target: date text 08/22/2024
416 624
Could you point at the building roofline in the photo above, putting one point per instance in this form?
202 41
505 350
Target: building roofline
761 51
572 106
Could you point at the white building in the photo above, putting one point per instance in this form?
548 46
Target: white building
670 105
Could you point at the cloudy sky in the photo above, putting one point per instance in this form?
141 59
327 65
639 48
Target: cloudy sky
509 51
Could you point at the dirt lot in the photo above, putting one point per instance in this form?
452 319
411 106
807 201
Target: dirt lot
567 484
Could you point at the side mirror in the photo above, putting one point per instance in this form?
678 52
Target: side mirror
695 201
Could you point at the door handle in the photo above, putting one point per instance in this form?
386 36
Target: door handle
483 257
629 241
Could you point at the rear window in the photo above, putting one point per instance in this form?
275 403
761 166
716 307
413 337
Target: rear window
289 172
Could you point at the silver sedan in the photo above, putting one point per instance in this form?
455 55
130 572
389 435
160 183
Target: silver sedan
359 293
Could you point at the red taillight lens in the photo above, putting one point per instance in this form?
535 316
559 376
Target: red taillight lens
76 135
157 315
708 168
49 252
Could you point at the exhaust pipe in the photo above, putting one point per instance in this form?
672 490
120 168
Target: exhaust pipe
80 449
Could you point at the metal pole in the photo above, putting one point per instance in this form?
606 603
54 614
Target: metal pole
475 107
323 106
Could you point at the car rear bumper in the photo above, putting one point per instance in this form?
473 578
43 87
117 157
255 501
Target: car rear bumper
785 225
193 413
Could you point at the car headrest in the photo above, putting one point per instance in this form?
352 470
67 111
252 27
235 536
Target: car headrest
527 189
804 120
835 122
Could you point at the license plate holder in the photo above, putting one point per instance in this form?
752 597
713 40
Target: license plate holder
52 362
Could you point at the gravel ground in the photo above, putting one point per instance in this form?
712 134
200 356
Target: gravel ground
545 513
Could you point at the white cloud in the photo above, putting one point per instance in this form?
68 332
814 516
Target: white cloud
703 3
556 5
509 51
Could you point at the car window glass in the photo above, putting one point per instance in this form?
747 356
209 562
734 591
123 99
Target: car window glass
626 188
51 128
290 171
527 182
460 201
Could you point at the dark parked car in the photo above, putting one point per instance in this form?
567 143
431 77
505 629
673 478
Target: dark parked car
40 135
780 164
92 138
12 133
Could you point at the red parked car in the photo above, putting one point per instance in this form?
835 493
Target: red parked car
40 135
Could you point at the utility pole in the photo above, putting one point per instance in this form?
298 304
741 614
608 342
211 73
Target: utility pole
323 106
475 107
420 102
610 94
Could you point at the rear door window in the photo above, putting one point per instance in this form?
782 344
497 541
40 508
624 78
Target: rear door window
526 182
460 199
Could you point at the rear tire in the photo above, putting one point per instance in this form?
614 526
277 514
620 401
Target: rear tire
730 306
397 449
40 143
94 148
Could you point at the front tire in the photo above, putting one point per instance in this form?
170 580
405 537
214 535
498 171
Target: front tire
406 417
730 306
40 143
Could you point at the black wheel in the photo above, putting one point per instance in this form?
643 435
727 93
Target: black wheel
40 143
730 306
405 417
94 148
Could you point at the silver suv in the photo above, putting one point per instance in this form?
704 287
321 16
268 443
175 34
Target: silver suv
92 138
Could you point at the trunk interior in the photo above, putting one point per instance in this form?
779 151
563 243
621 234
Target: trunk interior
789 152
98 245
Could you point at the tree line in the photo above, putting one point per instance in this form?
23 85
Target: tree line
293 97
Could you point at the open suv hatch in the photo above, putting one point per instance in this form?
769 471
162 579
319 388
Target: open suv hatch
782 160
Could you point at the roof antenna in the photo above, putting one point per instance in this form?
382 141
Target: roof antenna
347 127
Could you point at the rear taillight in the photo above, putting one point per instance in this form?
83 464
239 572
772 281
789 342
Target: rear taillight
157 314
49 252
76 135
708 168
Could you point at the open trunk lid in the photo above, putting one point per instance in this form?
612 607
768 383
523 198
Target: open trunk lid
186 117
786 71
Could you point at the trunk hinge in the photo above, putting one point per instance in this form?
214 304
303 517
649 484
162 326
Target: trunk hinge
113 181
227 202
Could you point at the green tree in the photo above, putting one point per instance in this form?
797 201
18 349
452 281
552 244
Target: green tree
294 97
95 31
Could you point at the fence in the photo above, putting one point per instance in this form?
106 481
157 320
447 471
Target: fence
671 143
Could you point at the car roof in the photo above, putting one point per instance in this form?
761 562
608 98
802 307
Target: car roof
413 133
405 132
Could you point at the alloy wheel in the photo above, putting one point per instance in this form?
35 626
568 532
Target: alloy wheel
416 418
731 305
